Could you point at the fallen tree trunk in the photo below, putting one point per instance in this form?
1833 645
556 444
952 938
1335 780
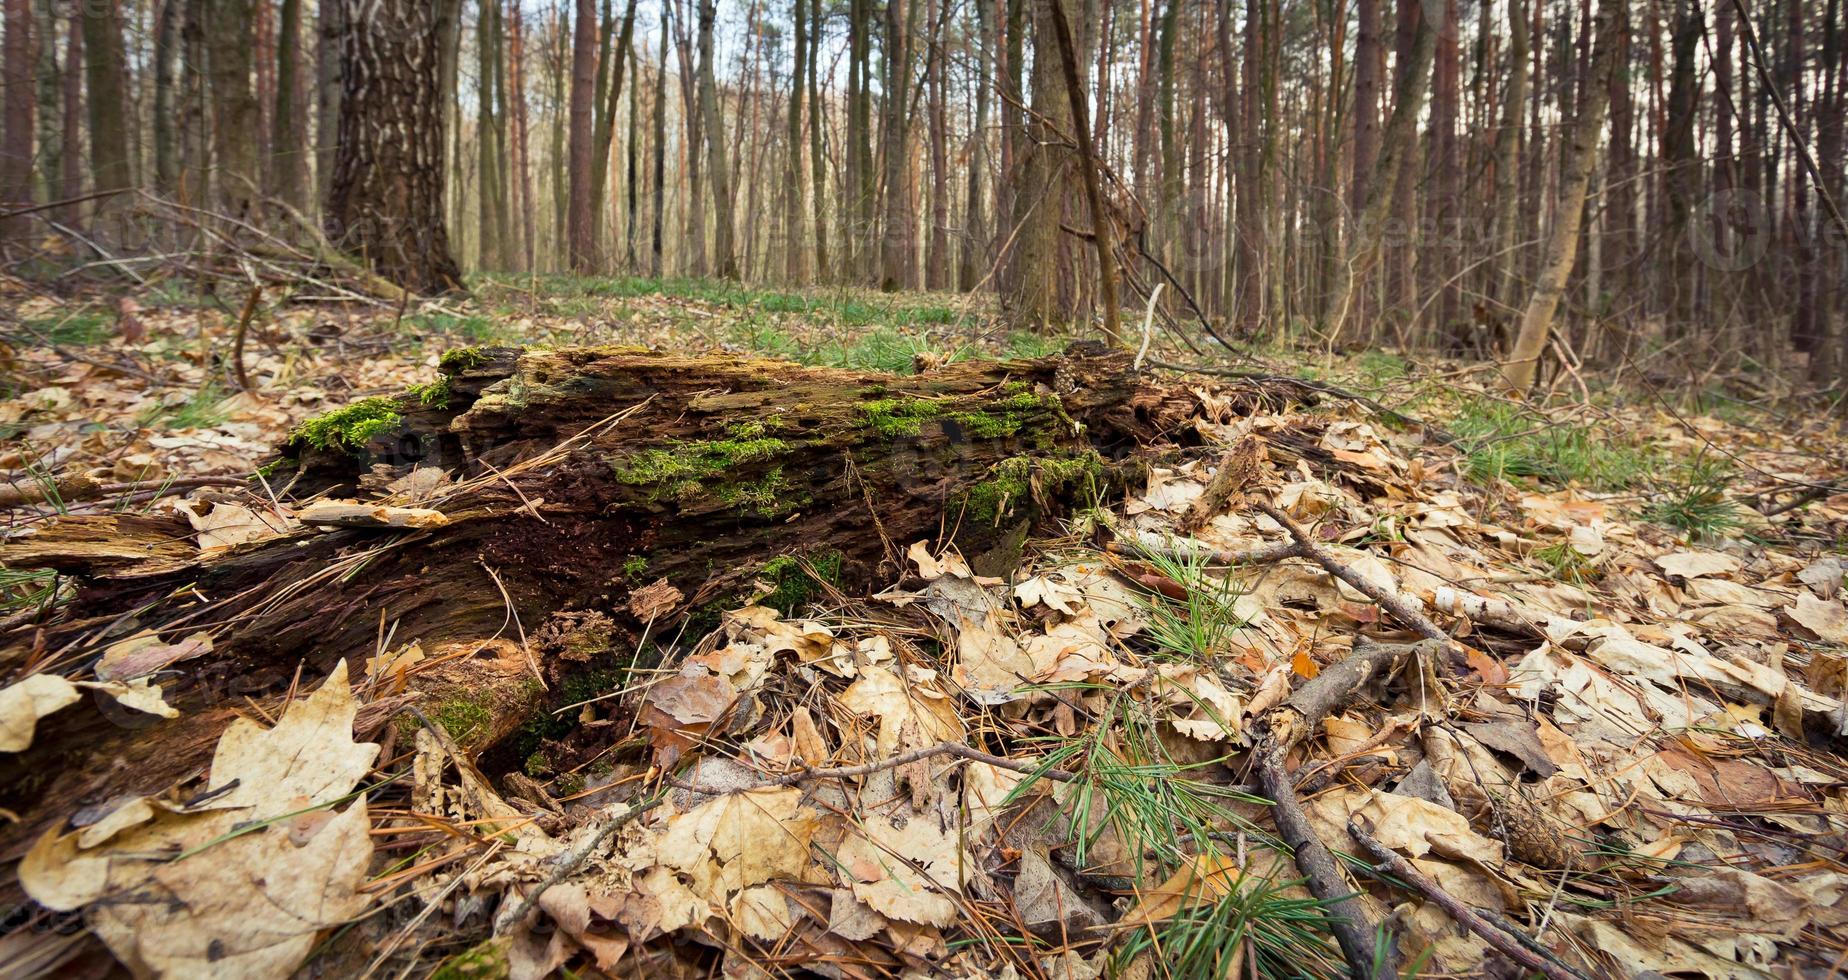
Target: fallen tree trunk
580 476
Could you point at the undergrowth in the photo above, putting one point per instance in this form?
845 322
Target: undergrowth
1698 502
203 409
1502 441
1196 628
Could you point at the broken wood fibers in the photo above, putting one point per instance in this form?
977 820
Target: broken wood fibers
721 464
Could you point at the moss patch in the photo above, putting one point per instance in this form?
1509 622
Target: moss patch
462 359
351 427
464 718
435 394
635 567
792 586
1013 481
695 460
899 416
767 497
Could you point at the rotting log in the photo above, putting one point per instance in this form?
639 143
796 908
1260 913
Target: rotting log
582 473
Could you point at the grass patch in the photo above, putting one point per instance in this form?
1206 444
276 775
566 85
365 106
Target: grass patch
477 330
1501 441
1564 563
27 588
79 328
1699 504
1255 929
1196 628
202 409
794 581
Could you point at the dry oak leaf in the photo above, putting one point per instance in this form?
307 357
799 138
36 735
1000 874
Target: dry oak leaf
225 526
1826 618
224 894
910 873
1695 564
23 703
882 694
144 653
735 841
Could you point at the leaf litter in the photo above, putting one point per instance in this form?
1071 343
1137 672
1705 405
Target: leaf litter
1633 766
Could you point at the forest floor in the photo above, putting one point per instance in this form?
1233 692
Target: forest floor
1633 761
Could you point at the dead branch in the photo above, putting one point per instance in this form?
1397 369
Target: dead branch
1524 954
1388 600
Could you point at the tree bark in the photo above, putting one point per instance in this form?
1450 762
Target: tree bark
725 257
818 118
1103 235
105 73
71 156
795 201
1574 180
166 146
937 239
20 103
1396 147
1508 159
386 202
581 216
488 158
672 485
606 122
658 217
973 257
234 105
327 89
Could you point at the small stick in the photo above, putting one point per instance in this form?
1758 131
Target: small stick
243 329
1388 600
957 749
1276 733
1391 863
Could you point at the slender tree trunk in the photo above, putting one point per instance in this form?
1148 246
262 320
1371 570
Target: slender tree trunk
487 159
1443 206
105 73
1031 298
1508 158
582 213
16 147
327 86
524 204
658 217
974 255
288 159
195 112
386 202
818 120
71 156
166 51
856 217
1396 149
633 159
1401 284
234 105
617 62
897 255
1679 152
1103 236
795 242
563 66
1575 179
725 256
1369 79
937 250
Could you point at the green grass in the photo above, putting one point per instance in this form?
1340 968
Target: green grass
1027 345
477 330
1698 503
1256 929
79 328
203 409
1197 628
1566 564
1502 441
27 588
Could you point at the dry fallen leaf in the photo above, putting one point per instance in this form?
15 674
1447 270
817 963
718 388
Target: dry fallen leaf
245 893
24 702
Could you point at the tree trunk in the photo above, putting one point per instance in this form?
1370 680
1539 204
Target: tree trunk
1369 79
795 242
386 203
658 217
818 118
673 488
1508 159
897 245
1031 296
1574 180
1103 235
937 239
973 264
327 87
16 147
234 105
71 156
105 73
725 257
487 155
166 146
856 215
632 199
606 122
582 240
1396 148
520 157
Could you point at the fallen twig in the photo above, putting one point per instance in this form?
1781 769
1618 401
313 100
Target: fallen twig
1276 733
1525 955
1387 599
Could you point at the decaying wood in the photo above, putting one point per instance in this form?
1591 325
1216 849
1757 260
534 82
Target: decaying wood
572 468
